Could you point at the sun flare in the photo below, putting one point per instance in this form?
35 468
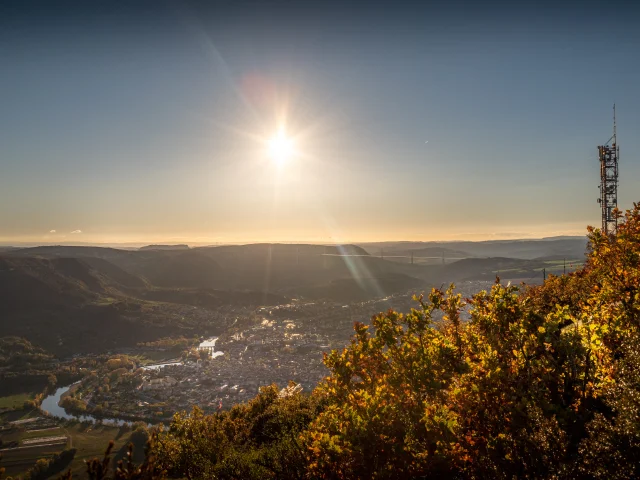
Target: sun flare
280 147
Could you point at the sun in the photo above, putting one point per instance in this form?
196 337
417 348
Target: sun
280 148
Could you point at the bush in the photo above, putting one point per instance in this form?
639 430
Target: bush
44 468
542 382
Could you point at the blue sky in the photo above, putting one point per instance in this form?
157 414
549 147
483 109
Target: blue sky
150 121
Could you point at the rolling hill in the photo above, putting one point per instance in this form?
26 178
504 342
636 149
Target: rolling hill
91 298
76 304
570 247
271 268
82 299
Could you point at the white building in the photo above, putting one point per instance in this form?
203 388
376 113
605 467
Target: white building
158 383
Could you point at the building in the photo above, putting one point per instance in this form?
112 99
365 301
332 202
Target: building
158 383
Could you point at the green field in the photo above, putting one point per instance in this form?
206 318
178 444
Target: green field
48 432
14 415
558 266
19 461
90 441
15 402
157 356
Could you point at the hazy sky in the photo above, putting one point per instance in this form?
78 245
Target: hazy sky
150 121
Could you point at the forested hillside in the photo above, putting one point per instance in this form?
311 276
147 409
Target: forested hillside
87 303
540 382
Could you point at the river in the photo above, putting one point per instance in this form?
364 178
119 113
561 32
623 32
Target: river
50 405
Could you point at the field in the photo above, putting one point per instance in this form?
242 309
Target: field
555 267
13 402
158 356
14 415
19 461
90 441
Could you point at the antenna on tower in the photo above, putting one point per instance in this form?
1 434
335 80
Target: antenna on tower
608 155
614 125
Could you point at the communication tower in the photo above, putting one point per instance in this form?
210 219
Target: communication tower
609 154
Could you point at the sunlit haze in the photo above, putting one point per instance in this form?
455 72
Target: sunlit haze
280 148
286 239
230 122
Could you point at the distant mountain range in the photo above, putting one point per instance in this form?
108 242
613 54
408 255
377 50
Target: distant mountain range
165 247
569 247
72 298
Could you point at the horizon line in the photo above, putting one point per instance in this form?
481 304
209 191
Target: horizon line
31 244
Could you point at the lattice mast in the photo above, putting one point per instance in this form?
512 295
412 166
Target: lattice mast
609 154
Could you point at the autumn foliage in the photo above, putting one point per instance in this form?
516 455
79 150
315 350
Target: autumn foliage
539 382
516 382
